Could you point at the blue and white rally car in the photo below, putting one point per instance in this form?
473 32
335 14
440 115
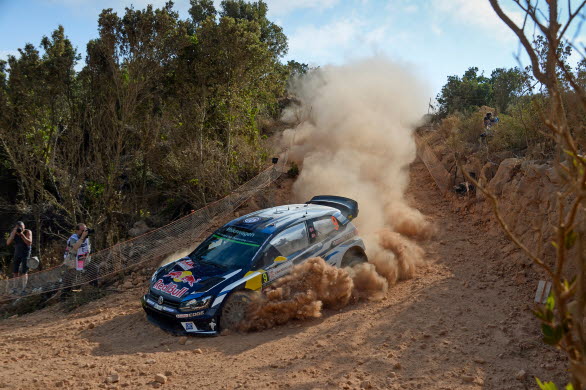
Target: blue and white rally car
209 290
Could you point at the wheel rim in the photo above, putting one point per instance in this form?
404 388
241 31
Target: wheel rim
234 312
353 260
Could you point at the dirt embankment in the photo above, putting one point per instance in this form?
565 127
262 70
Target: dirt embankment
462 322
528 200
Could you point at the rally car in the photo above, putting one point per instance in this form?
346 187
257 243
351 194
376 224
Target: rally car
210 289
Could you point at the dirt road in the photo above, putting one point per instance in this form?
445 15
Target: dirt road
462 323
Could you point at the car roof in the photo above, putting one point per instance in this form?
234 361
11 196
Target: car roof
276 219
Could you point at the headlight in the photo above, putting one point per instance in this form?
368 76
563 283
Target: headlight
195 304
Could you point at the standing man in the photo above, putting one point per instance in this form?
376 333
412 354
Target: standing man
23 240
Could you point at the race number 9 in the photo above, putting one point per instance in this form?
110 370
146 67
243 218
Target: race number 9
265 277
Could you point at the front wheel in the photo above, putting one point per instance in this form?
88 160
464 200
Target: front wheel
354 257
235 310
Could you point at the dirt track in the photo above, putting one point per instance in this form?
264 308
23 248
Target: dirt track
462 323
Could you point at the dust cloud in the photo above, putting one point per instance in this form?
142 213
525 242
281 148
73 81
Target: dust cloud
300 295
353 138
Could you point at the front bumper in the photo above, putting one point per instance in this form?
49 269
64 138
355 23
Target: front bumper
203 322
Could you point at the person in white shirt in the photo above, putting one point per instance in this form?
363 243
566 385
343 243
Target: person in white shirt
78 248
76 257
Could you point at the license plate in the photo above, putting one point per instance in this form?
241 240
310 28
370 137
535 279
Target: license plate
189 327
158 307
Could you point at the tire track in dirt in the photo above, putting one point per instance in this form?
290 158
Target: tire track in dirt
455 325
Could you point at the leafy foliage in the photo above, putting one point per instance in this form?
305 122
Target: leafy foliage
472 90
163 108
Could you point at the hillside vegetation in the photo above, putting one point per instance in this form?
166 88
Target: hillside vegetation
164 116
520 102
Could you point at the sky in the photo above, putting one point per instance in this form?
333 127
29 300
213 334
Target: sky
433 38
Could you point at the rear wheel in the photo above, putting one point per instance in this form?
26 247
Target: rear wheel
235 309
354 257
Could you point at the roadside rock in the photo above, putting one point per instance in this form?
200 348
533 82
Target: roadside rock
504 174
487 172
160 378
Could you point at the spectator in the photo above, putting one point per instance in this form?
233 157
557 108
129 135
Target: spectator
76 255
78 248
488 122
23 240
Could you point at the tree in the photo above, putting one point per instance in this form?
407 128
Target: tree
40 92
164 111
563 51
463 94
297 68
200 10
507 85
270 34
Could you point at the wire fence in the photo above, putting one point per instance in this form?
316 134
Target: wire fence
156 245
151 247
436 169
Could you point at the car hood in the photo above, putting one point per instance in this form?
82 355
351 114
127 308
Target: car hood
185 277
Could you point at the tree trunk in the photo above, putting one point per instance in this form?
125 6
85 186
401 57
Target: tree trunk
37 240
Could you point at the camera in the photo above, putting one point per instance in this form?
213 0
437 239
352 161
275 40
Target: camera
19 230
90 231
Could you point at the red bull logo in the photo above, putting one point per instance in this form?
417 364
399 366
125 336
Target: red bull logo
183 276
170 288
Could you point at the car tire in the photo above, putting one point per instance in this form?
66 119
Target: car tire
354 257
235 309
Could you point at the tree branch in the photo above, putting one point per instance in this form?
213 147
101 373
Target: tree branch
523 39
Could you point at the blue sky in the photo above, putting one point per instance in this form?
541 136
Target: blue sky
436 38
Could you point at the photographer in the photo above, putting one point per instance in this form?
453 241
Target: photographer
23 240
77 255
78 248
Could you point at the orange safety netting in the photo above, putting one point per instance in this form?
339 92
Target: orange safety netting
150 248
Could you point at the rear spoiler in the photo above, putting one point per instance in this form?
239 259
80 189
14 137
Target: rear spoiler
347 206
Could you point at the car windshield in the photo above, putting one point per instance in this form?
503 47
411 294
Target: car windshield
229 247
